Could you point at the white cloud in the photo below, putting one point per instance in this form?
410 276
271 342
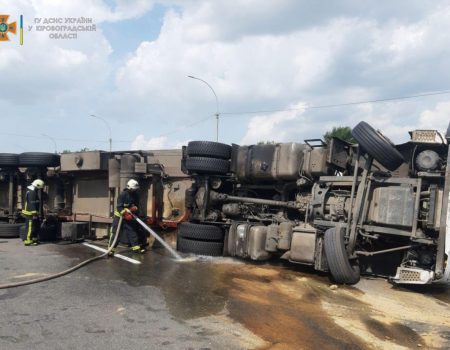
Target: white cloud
126 9
343 59
10 56
159 142
437 118
46 69
255 70
221 21
154 143
274 127
67 58
256 55
98 10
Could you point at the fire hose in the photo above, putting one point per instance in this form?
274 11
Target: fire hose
110 248
72 269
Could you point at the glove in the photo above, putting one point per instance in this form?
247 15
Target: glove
134 209
127 216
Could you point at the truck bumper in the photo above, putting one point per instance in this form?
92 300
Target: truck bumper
413 275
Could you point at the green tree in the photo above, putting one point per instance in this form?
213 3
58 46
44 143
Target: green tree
341 132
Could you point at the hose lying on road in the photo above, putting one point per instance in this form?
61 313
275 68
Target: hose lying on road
65 272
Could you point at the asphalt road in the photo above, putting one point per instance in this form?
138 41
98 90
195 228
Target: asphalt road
208 304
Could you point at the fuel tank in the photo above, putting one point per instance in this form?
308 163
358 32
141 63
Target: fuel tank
268 162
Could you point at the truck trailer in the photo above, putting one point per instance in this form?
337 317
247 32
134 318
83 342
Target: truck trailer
82 188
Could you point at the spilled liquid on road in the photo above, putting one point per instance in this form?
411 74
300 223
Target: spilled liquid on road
288 307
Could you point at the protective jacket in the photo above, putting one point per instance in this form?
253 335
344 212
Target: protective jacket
126 200
32 202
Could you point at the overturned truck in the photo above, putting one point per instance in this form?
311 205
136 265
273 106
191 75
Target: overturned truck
82 189
372 207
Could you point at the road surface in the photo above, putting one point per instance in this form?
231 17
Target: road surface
211 303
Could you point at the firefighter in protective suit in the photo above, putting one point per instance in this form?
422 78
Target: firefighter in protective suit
127 204
31 212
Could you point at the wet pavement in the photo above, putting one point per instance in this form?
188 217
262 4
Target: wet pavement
210 303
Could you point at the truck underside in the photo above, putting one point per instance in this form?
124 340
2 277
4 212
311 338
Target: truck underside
370 207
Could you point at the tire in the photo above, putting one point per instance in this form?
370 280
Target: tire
200 232
39 159
341 270
48 232
204 165
10 230
9 159
199 247
208 149
377 146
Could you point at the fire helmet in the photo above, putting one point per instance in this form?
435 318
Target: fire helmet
132 184
38 183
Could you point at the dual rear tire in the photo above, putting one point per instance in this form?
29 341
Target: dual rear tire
200 239
10 230
29 159
205 157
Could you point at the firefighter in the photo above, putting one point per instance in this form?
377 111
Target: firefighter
31 212
127 204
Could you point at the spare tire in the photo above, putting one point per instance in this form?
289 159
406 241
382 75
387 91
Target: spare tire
199 247
200 232
10 230
340 268
378 146
204 165
209 149
39 159
9 159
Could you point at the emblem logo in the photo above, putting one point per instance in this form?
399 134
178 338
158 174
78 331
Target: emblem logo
6 27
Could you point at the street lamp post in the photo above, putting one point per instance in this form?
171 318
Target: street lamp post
53 140
109 128
217 104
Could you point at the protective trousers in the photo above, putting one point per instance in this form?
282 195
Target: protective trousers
127 230
32 228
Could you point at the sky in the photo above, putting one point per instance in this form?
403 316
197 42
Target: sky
278 68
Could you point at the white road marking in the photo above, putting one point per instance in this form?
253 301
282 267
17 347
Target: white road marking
120 256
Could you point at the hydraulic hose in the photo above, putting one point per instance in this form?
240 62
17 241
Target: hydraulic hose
72 269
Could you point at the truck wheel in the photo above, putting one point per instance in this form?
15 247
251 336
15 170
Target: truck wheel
377 145
209 149
10 230
200 232
9 159
204 165
199 247
39 159
340 268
